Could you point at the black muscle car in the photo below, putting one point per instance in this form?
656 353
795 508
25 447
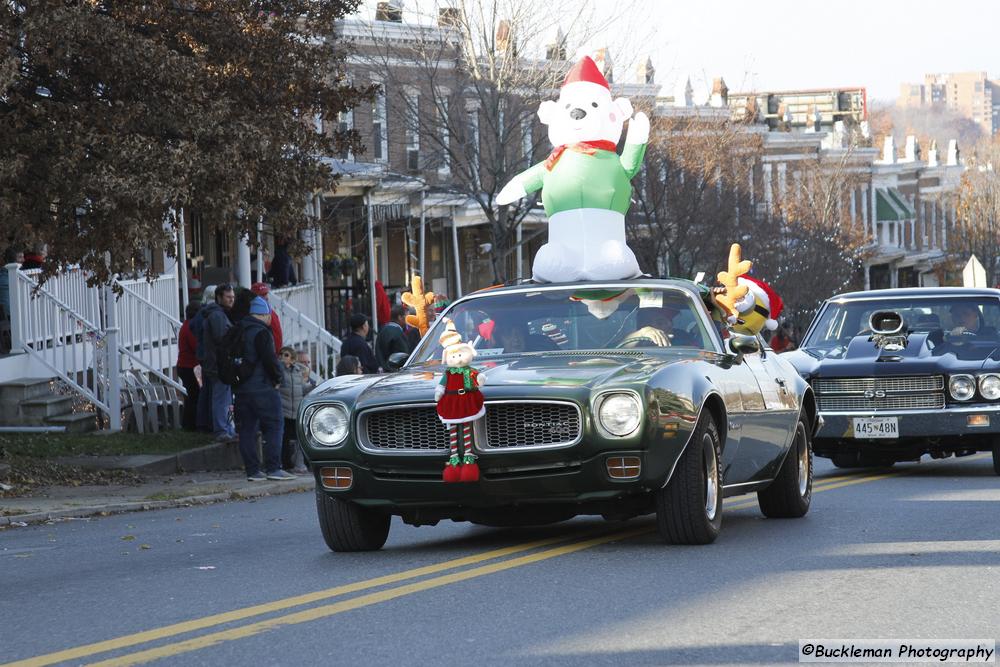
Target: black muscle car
905 372
616 399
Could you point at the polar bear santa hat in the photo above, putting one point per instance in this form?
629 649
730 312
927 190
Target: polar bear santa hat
765 298
586 71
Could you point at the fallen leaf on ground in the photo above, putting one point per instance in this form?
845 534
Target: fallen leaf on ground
145 546
128 538
205 567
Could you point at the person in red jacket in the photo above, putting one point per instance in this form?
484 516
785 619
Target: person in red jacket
262 290
187 359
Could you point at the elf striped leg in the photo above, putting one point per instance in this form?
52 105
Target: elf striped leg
453 441
470 469
453 469
469 457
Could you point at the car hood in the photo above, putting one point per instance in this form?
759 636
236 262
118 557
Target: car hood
530 375
862 358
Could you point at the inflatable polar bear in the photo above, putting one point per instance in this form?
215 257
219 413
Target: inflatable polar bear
586 187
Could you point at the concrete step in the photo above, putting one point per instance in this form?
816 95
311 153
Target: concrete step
76 422
14 392
22 389
43 407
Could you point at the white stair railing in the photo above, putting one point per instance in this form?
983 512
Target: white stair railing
303 332
71 346
148 335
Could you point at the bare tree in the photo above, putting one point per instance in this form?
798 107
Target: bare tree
694 197
469 80
815 248
977 228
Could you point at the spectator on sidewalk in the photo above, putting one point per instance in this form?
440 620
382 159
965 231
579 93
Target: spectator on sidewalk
220 395
355 343
392 337
187 360
295 384
262 290
258 403
783 340
204 417
349 365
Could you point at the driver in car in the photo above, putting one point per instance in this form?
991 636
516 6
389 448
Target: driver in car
969 322
656 325
512 335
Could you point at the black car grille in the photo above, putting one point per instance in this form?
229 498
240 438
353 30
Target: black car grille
913 392
508 426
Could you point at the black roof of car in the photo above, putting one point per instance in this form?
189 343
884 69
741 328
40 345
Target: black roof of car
917 292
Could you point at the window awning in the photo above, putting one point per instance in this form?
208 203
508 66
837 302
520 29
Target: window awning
890 205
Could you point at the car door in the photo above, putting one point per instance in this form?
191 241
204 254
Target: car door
769 426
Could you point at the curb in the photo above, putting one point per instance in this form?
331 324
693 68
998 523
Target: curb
277 489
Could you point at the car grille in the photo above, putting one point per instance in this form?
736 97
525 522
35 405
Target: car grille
861 385
508 426
915 392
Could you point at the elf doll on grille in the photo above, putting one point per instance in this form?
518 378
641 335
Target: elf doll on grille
459 404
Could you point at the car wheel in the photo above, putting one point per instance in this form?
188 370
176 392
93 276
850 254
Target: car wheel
689 507
790 493
347 526
996 456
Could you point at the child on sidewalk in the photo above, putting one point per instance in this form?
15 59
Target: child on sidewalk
295 384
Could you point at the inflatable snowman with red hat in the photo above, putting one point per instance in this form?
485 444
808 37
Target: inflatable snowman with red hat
586 188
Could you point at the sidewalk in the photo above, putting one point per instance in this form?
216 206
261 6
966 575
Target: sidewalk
155 492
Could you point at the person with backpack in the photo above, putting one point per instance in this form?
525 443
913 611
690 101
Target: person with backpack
220 394
256 382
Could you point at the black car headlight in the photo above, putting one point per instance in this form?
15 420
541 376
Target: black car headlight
989 386
962 387
619 413
328 425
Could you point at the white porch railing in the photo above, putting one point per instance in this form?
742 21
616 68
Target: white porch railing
72 346
298 308
88 336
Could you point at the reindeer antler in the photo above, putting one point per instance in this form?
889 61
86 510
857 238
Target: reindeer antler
732 291
419 301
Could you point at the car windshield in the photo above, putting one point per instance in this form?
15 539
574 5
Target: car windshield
957 320
545 320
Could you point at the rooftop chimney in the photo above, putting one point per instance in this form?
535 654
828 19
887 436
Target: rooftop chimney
505 36
645 72
556 49
720 93
912 150
603 61
952 153
932 156
889 150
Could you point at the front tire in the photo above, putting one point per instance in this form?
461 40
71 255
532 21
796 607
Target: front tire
789 495
689 507
347 526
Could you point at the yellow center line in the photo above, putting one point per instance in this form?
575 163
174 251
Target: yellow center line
279 605
364 600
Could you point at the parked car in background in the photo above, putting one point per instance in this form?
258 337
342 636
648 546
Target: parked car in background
616 399
905 372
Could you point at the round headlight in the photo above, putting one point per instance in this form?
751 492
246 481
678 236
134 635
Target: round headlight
328 425
620 414
962 387
989 386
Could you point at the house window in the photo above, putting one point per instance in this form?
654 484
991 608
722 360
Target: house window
527 141
444 163
472 133
345 123
380 133
412 130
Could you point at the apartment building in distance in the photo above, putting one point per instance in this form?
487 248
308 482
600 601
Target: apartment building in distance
972 95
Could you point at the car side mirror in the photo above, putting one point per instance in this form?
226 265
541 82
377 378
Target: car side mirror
396 361
740 345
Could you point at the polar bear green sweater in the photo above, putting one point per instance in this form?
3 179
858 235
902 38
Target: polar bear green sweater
582 180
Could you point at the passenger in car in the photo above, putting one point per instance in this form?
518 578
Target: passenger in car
512 335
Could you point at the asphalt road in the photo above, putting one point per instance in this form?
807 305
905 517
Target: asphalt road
911 552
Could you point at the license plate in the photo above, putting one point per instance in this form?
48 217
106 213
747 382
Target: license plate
876 427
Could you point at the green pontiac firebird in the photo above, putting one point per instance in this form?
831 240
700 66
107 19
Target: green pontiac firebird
616 399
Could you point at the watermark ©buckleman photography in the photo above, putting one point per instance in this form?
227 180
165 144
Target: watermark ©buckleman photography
897 650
